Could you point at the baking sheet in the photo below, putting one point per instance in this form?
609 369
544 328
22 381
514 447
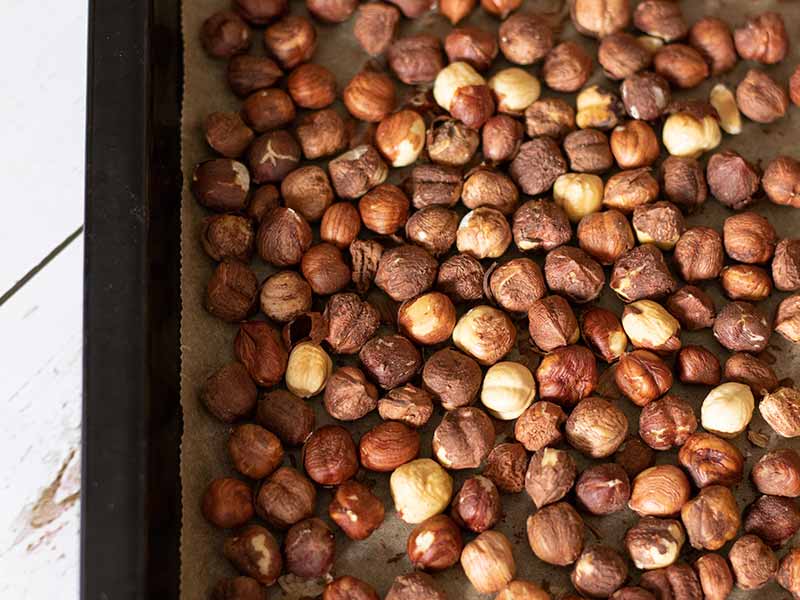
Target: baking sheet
206 342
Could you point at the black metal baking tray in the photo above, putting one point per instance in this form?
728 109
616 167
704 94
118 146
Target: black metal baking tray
131 412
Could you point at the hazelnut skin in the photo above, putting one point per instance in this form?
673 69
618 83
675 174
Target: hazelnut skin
260 349
228 503
684 182
321 133
238 588
540 225
357 171
715 576
555 534
681 65
501 137
692 307
659 491
452 144
588 151
567 374
506 466
698 365
661 18
711 518
550 476
552 323
654 543
522 590
599 572
227 134
407 404
676 581
634 456
387 446
286 498
487 187
488 562
228 236
283 237
699 254
753 562
261 12
405 271
477 505
540 426
268 109
600 19
549 117
788 572
401 137
517 284
356 510
369 96
537 165
603 489
309 548
472 45
641 273
435 544
286 415
390 360
572 273
285 296
229 394
596 427
329 455
778 473
455 10
351 321
667 423
221 184
711 460
660 223
248 73
645 95
225 34
626 190
642 376
463 438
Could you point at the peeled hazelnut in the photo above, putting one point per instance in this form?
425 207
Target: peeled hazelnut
540 426
642 376
501 137
435 544
602 332
225 34
778 473
286 415
390 359
463 438
603 489
787 575
567 375
387 446
640 273
292 40
549 117
667 423
515 90
787 318
550 476
329 455
741 327
483 233
634 145
724 102
357 171
599 572
761 98
572 273
566 67
746 282
660 223
228 503
309 548
659 491
340 225
645 95
654 543
605 235
600 19
452 143
407 404
506 466
781 410
579 194
508 389
596 427
626 190
699 254
786 265
405 271
753 562
537 165
456 10
711 460
712 38
598 108
697 365
415 586
693 308
681 65
348 394
775 519
254 451
221 184
420 489
649 326
255 553
634 456
517 284
715 576
552 323
477 505
781 181
260 349
370 96
485 333
239 588
588 151
763 38
525 38
472 45
453 377
540 225
488 562
685 135
321 133
622 55
324 268
555 534
351 322
711 518
727 409
349 588
286 498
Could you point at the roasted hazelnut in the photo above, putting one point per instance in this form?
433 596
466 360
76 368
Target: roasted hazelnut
228 236
473 105
483 233
788 572
549 117
794 87
569 271
659 491
711 460
369 96
761 98
522 590
550 476
283 237
786 265
715 576
451 143
606 236
749 238
660 223
284 296
684 181
321 133
228 503
500 8
552 324
781 410
602 332
390 359
268 109
225 34
687 135
485 333
400 137
634 456
763 38
727 409
642 376
699 254
514 89
641 272
693 308
753 562
598 108
272 156
477 505
452 377
599 572
781 181
600 19
472 45
435 544
649 326
261 12
308 191
778 473
349 588
626 190
286 498
654 543
231 291
309 548
407 404
667 423
712 38
661 18
463 438
255 553
634 145
555 534
787 318
579 194
351 322
340 224
697 365
413 9
229 394
508 389
355 172
259 347
329 455
516 285
221 184
453 78
632 593
501 137
540 225
676 581
254 451
596 427
375 26
405 271
239 588
741 327
746 282
324 268
387 446
292 40
427 319
525 38
420 489
414 586
588 151
455 10
332 11
287 416
416 59
384 209
681 65
566 67
603 489
645 95
227 134
506 466
488 562
622 55
567 375
540 426
775 519
348 394
711 518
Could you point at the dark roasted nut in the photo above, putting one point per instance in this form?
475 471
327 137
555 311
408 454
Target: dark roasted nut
684 181
692 307
667 423
435 544
239 588
712 38
408 404
641 272
356 172
348 394
540 225
415 586
263 200
340 225
268 109
488 562
753 562
254 451
588 151
227 134
761 98
661 18
349 588
356 510
550 476
517 284
567 375
634 144
566 67
365 256
321 133
248 73
463 438
659 491
681 65
351 322
454 378
229 394
699 254
405 271
375 26
225 34
552 323
622 55
781 410
654 543
603 333
711 460
261 12
387 446
752 371
228 503
455 10
308 191
228 236
416 59
477 505
501 137
255 553
525 38
786 265
781 181
287 416
711 518
642 376
763 38
292 40
390 359
259 347
231 291
451 143
309 548
431 185
697 365
472 45
660 223
645 95
599 572
741 327
634 456
649 326
596 427
490 188
715 576
537 165
286 498
506 466
485 333
540 426
329 455
603 489
550 117
778 473
555 534
626 190
283 237
324 268
676 581
605 236
787 575
787 318
483 233
272 156
221 184
775 519
571 272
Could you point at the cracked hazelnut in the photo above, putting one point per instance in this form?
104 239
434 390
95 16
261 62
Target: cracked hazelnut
622 55
501 137
649 326
254 451
540 225
228 503
488 562
598 108
415 586
787 575
472 45
569 271
715 576
654 543
255 553
463 438
641 273
713 39
325 270
407 404
349 588
549 117
357 171
603 489
634 144
588 151
567 375
681 65
599 572
741 327
781 181
602 332
309 548
687 135
321 133
508 389
634 456
761 98
400 137
525 38
286 498
259 347
642 376
786 265
550 476
420 489
292 40
225 34
451 79
221 184
435 544
711 460
390 359
693 308
787 318
348 394
506 466
552 324
659 491
555 534
596 427
645 95
369 96
452 377
727 409
763 38
697 365
775 519
605 236
387 446
329 455
537 165
485 333
626 190
451 143
540 426
516 285
660 223
667 423
600 19
238 588
699 254
753 562
566 67
778 473
477 505
781 410
711 518
405 271
340 225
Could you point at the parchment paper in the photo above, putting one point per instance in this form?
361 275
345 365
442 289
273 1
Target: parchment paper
206 342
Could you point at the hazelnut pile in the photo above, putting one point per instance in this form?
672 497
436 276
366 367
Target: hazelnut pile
432 250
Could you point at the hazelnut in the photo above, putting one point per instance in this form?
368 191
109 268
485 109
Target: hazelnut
778 473
787 572
598 108
340 225
238 588
400 137
308 191
225 34
727 409
622 55
434 228
761 98
483 233
599 572
451 143
602 332
413 9
473 105
746 282
712 38
626 190
260 349
420 489
501 137
221 184
229 394
508 390
427 319
566 67
348 394
349 588
415 586
272 156
794 87
697 365
231 291
654 543
753 562
660 223
286 415
228 503
749 238
715 576
552 324
641 273
477 505
688 136
261 12
384 209
370 96
454 378
549 117
579 194
781 181
667 423
451 79
522 590
787 318
506 466
540 225
356 172
632 593
550 476
390 359
555 534
605 236
642 376
525 38
515 90
325 270
268 109
763 38
228 236
596 427
227 134
463 438
786 266
711 518
681 65
332 11
634 456
724 102
284 296
649 326
741 327
539 164
283 237
517 284
434 185
699 254
569 271
488 562
781 410
405 271
693 308
321 133
603 489
329 455
475 46
286 498
387 446
711 460
540 426
435 544
500 8
485 333
659 491
309 549
351 322
248 73
661 18
254 451
676 581
645 95
775 519
255 553
292 40
588 151
407 404
567 375
455 10
600 19
634 144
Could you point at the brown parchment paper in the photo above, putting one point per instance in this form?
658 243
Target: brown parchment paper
206 342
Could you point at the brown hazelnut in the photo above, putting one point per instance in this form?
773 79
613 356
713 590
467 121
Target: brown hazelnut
488 562
309 548
427 319
549 117
622 55
308 191
525 38
365 256
787 572
676 581
384 209
472 45
778 473
661 18
761 98
572 273
351 322
228 503
600 19
228 236
634 456
781 410
786 265
268 109
286 498
451 143
599 572
746 282
550 476
231 291
400 137
711 460
500 8
692 307
489 188
413 9
229 394
715 576
794 87
332 11
632 593
684 181
540 426
454 378
567 375
711 518
555 534
606 236
753 562
463 438
699 254
405 271
660 223
641 272
741 327
415 586
356 510
522 590
477 505
642 376
248 73
329 455
287 416
787 318
667 423
321 133
340 224
238 588
387 446
645 95
712 38
292 40
506 466
263 200
349 588
588 151
596 427
552 323
566 67
781 181
748 369
407 404
681 65
628 189
324 268
434 185
272 156
356 172
659 491
634 145
763 38
254 451
255 553
697 365
260 348
416 59
390 359
283 237
375 26
602 332
227 134
370 96
473 105
348 394
435 544
749 238
221 184
603 489
501 137
540 225
261 12
775 519
455 10
516 285
485 333
225 34
654 543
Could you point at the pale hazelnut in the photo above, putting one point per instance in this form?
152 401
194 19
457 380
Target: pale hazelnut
555 534
508 390
711 518
450 79
515 90
483 233
579 194
427 319
654 543
781 410
724 102
686 135
485 333
596 427
488 562
400 137
648 325
598 109
420 489
634 145
659 491
727 409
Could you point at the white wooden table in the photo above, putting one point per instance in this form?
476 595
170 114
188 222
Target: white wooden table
42 100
